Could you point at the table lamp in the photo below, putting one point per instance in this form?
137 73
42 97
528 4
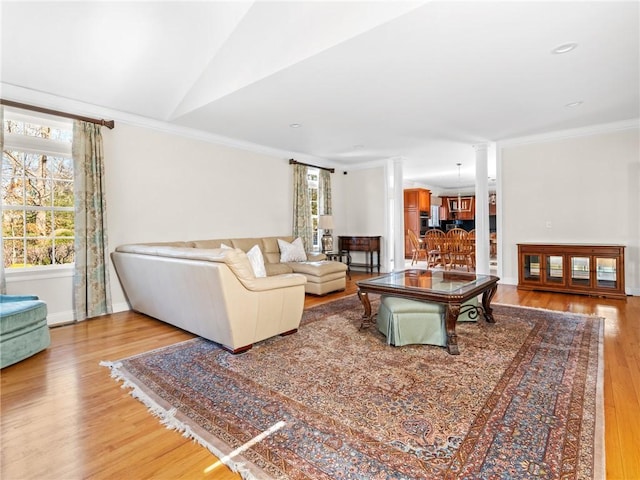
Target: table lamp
326 224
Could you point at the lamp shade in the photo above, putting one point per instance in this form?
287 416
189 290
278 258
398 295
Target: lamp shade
325 222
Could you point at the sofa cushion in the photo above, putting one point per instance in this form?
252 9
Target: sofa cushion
245 244
318 269
210 243
257 262
277 269
271 249
292 252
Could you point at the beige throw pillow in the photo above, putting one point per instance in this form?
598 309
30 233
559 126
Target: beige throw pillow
292 252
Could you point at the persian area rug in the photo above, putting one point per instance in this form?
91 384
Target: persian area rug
522 400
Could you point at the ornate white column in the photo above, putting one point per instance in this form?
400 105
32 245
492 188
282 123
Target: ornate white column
482 209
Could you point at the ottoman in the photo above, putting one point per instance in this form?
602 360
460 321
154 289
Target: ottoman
23 328
406 322
323 276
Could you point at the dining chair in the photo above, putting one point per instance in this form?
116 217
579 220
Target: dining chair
416 247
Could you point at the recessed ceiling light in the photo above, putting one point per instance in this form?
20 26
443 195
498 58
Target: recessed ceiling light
573 104
564 48
295 125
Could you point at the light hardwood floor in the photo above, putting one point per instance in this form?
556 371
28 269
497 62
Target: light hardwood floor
63 417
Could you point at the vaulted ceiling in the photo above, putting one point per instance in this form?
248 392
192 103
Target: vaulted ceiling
359 81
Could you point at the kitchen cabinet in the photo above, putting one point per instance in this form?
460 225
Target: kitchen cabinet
596 270
418 198
459 208
417 201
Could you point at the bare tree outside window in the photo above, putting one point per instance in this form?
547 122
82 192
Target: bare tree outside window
37 193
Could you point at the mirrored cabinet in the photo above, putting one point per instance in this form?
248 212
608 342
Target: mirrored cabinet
587 269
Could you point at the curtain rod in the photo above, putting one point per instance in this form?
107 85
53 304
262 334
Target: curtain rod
295 162
24 106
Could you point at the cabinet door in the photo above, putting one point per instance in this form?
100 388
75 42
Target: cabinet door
580 271
607 274
424 200
554 270
531 268
411 199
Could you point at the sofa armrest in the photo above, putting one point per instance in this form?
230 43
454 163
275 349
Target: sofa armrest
315 256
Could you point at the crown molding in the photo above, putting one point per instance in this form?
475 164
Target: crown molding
54 102
630 124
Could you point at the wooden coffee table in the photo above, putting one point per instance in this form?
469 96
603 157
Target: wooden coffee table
449 288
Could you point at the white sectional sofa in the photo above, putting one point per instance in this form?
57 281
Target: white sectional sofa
322 276
213 292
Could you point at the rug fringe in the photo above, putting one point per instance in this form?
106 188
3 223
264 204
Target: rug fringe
168 419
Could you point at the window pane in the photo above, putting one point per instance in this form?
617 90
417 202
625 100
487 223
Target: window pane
12 162
13 253
35 130
64 252
61 168
38 223
13 192
62 193
63 224
39 252
11 126
12 223
33 163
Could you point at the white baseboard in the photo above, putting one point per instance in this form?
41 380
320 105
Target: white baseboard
64 318
60 318
120 307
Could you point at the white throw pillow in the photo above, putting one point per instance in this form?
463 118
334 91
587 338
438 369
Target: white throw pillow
257 261
292 252
224 246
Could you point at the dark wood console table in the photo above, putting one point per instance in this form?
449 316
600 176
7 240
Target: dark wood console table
370 245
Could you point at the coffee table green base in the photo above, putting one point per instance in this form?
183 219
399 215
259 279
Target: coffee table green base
453 308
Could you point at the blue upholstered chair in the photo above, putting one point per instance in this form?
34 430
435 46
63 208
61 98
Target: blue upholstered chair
23 328
406 322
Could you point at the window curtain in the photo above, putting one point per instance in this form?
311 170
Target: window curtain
92 295
302 206
325 192
3 281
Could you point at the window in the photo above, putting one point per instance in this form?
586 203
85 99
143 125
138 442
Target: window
37 191
313 180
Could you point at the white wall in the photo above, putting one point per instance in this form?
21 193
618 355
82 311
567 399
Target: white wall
583 189
164 187
359 207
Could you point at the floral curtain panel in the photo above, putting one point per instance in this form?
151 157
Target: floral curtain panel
3 281
92 295
302 207
325 192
